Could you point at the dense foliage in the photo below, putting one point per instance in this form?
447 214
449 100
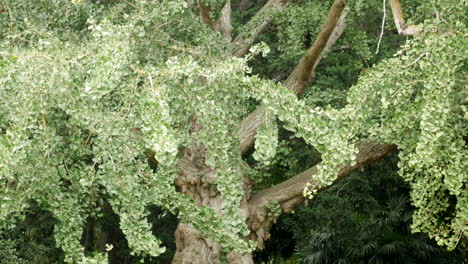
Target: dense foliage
365 218
88 87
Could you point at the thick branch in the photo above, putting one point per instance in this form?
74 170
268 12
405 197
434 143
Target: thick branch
242 45
289 194
399 19
302 75
222 24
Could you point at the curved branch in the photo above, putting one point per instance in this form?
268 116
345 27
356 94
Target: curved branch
289 194
241 44
399 19
302 75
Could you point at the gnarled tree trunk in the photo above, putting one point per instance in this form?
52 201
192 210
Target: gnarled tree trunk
195 179
194 248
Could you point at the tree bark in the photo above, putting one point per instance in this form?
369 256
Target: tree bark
245 4
303 73
194 248
222 24
399 19
289 194
241 44
195 180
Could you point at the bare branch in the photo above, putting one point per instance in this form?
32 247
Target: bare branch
289 194
242 45
399 19
336 34
382 27
302 75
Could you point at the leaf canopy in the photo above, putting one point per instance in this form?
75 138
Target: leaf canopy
86 87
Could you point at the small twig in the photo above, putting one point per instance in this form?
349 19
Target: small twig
459 235
396 91
66 168
112 161
81 57
130 4
10 15
39 56
151 81
44 125
188 50
440 18
88 138
43 121
140 72
177 48
383 25
416 60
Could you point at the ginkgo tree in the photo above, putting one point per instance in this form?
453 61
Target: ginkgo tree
140 103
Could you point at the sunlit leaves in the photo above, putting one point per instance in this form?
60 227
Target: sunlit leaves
420 96
266 140
87 88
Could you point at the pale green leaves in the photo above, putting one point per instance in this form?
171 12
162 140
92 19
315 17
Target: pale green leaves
415 105
274 208
266 139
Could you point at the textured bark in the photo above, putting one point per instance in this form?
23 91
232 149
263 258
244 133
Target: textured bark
222 24
197 181
303 73
399 19
289 194
335 35
242 45
194 248
249 126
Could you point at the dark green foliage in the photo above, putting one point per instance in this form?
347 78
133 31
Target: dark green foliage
280 246
32 240
292 157
77 77
364 219
163 225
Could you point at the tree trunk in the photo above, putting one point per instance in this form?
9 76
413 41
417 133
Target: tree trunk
222 24
304 71
198 180
194 248
195 179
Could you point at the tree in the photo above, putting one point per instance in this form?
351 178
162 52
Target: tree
365 218
140 103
